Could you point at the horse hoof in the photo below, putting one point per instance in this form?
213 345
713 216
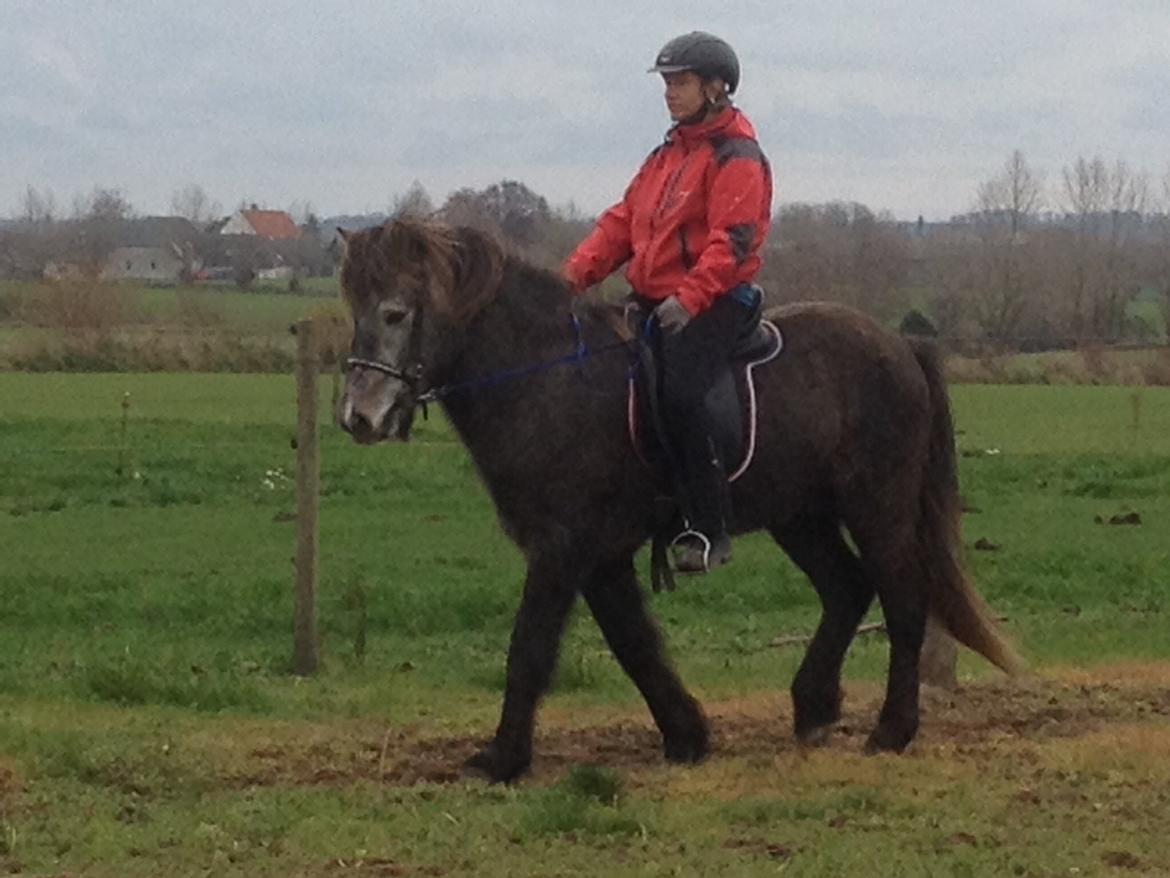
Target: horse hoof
687 751
883 740
488 765
816 737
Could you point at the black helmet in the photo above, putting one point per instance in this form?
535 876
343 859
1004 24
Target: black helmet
704 53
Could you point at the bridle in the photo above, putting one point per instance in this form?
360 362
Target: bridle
413 373
410 375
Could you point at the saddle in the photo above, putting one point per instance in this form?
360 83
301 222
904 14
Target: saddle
731 404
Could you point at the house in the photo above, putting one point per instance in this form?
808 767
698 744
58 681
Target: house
271 225
154 249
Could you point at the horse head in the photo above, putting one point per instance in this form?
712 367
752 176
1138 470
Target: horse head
412 287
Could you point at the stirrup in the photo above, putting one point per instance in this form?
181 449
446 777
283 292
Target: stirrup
694 552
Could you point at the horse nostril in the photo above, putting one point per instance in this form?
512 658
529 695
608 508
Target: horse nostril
358 424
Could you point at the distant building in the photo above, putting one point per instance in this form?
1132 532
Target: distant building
271 225
153 249
154 265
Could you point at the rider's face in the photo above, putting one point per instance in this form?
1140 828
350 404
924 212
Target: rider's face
684 94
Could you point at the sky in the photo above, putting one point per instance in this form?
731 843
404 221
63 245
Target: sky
903 105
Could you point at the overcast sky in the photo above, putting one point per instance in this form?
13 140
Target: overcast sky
901 104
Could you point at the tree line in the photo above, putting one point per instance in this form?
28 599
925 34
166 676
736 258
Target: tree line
1034 264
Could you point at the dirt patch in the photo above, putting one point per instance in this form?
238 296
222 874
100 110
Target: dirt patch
376 866
977 718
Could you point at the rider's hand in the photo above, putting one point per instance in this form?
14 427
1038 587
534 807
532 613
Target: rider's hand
570 276
672 315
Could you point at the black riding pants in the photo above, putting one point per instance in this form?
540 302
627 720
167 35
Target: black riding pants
689 362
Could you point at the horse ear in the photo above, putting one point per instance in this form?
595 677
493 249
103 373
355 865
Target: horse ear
344 235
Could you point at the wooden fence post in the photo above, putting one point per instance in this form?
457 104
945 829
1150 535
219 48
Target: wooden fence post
308 482
938 663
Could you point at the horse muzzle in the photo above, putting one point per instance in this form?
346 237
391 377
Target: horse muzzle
369 425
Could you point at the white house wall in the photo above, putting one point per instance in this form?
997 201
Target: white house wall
150 264
237 225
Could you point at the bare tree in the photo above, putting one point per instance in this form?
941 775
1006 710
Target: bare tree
508 208
1004 276
1101 263
103 203
414 202
1160 256
37 208
464 207
193 203
30 246
1014 197
520 213
92 234
838 251
300 211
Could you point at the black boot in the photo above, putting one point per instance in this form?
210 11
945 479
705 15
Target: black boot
704 544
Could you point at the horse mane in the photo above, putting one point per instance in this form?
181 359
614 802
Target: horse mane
460 269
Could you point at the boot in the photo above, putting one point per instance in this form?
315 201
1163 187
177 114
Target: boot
704 544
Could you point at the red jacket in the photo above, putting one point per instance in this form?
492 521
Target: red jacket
692 221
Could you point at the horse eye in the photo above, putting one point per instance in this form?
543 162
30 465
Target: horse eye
390 316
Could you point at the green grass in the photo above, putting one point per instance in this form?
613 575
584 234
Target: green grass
145 624
263 309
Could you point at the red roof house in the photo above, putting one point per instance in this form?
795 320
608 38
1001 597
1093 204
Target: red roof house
271 225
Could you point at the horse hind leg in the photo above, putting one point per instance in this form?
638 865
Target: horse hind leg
818 548
901 588
613 596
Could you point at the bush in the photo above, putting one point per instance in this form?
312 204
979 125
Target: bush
80 304
1156 373
334 330
153 351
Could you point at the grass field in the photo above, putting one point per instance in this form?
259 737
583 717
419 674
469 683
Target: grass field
128 328
148 722
262 309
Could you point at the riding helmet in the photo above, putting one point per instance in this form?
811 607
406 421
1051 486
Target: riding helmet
704 53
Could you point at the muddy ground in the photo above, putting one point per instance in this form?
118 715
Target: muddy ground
976 722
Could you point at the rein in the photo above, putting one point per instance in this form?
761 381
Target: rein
412 374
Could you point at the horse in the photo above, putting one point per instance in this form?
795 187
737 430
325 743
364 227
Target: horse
854 473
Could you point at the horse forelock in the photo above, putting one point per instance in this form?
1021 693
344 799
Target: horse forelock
457 269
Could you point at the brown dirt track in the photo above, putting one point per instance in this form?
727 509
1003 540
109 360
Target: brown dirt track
978 722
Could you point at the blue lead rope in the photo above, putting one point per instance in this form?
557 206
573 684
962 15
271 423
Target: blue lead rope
580 354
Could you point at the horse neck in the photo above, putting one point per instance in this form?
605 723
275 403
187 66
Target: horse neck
527 318
526 325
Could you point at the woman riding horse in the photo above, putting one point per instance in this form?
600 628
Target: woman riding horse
690 226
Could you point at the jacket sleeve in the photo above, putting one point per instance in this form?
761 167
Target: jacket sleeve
602 251
609 244
738 208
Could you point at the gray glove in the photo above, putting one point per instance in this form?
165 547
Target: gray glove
672 316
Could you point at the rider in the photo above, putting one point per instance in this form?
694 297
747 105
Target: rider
691 224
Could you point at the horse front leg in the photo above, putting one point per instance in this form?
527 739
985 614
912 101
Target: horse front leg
616 602
536 635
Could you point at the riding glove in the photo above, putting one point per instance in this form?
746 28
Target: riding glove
672 315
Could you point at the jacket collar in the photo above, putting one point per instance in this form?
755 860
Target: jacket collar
725 123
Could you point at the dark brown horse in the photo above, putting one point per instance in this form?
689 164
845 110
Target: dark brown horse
855 435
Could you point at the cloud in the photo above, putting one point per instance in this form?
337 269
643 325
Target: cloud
905 104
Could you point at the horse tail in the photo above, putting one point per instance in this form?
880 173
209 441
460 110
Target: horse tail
952 598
